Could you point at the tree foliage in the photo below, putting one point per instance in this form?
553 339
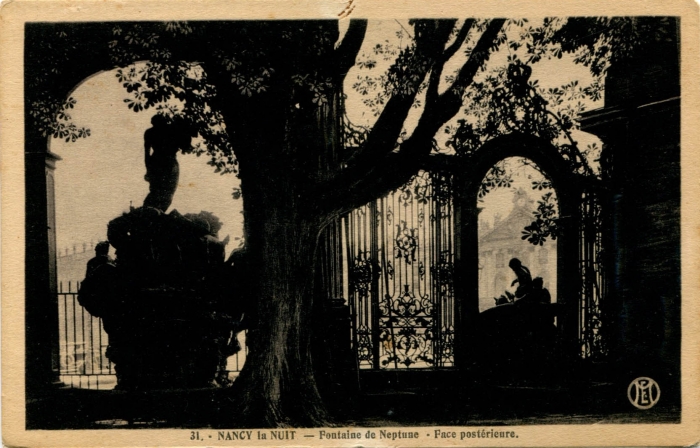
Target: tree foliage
502 99
50 112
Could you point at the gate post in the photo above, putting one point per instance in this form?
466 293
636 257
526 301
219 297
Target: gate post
41 308
568 283
466 274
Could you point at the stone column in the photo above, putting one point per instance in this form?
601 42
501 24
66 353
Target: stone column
41 308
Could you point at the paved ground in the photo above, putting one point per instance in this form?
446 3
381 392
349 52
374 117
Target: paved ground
491 406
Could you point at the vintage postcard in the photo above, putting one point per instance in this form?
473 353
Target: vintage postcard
349 223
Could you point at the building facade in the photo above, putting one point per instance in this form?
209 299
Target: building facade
502 241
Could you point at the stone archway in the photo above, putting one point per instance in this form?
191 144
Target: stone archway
568 190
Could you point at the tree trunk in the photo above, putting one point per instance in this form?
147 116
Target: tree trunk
277 385
286 143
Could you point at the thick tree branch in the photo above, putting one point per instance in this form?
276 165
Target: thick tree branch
450 51
431 37
389 173
364 182
446 106
431 92
346 53
439 109
477 58
459 40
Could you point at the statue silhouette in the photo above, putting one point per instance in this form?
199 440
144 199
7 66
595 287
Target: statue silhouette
161 144
524 279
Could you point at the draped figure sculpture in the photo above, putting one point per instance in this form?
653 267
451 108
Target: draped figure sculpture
161 144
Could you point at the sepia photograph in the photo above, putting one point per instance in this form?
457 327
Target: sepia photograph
449 227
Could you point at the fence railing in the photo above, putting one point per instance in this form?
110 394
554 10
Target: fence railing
83 362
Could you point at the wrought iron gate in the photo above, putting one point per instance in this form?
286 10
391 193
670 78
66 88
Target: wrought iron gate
593 284
400 250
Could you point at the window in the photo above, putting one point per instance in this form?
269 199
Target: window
500 260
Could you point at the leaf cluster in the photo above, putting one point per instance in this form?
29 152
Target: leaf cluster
601 41
51 118
47 60
497 177
545 224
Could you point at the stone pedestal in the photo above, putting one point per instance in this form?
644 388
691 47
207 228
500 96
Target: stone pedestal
165 302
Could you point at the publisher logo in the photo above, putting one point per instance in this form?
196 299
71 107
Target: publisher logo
643 392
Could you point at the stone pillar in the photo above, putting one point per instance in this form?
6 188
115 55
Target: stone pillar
568 282
41 307
466 272
51 160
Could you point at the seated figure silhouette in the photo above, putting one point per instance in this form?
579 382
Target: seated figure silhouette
524 279
161 144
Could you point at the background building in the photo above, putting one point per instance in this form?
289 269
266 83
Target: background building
501 241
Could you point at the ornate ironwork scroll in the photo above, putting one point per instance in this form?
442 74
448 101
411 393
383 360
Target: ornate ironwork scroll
593 285
400 278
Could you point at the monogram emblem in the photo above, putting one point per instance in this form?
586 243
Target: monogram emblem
643 392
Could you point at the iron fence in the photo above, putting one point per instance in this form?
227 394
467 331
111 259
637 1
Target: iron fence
593 280
400 276
400 251
83 343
